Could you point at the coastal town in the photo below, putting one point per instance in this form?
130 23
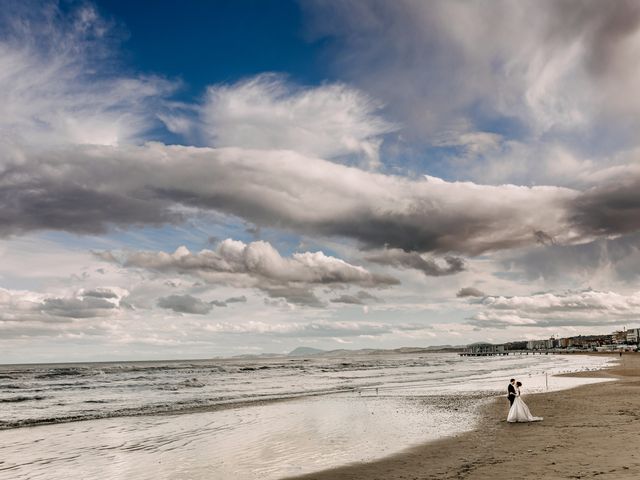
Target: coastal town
625 340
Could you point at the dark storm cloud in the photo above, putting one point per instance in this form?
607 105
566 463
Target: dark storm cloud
28 201
428 266
240 299
360 298
296 295
330 199
185 304
543 238
100 293
608 209
414 216
228 301
348 299
556 264
608 27
78 307
469 292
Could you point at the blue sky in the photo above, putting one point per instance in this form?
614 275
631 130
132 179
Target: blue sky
197 179
212 42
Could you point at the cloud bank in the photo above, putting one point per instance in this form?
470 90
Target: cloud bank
253 265
82 190
25 306
572 308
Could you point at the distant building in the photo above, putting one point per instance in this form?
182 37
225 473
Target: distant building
537 345
484 349
619 337
585 342
623 340
577 342
521 345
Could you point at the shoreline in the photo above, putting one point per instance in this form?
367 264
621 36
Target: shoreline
588 431
216 407
164 409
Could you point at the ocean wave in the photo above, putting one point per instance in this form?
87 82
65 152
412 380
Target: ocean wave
98 415
64 372
176 408
192 383
22 398
13 386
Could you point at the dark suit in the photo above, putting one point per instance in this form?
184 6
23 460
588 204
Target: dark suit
511 393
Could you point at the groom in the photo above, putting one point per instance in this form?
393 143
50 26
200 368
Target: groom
511 391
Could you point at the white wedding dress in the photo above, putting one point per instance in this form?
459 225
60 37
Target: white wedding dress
519 412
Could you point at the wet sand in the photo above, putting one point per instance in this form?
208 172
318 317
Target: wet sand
592 431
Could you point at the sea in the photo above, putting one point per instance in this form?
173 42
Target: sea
246 419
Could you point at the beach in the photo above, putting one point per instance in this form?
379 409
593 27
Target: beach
250 419
591 431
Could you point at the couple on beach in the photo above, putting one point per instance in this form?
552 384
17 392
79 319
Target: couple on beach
519 412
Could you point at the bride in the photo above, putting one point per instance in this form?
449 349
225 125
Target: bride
519 412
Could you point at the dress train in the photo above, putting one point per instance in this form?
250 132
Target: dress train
519 412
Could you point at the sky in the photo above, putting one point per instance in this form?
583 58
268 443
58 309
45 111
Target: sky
201 179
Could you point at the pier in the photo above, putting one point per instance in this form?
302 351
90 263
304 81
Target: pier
482 349
509 352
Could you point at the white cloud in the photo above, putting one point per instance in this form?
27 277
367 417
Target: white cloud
258 265
26 306
266 112
582 308
257 259
444 66
57 83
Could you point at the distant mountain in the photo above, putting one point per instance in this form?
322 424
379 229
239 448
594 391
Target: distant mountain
305 352
249 356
